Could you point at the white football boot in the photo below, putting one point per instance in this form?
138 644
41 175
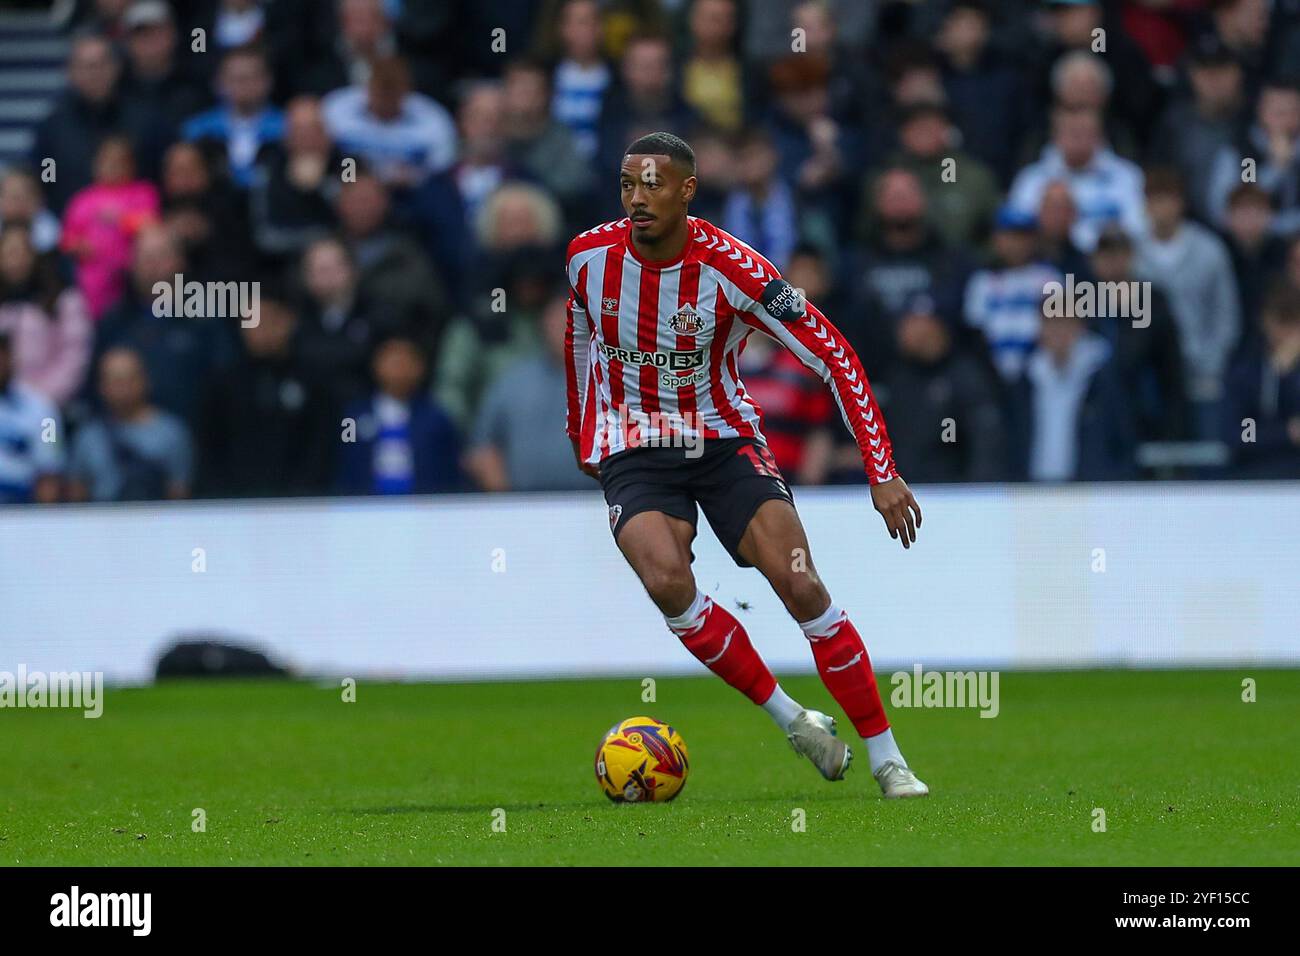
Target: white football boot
898 782
812 735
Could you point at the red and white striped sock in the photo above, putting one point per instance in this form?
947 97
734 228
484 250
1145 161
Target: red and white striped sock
845 669
720 643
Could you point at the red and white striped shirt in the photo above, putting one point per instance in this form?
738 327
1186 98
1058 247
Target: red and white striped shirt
651 346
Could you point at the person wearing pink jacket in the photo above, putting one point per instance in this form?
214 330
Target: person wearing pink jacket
48 324
102 220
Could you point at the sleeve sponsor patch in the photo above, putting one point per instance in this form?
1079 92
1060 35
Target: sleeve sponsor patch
783 301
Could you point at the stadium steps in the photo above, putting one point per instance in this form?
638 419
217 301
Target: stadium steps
33 49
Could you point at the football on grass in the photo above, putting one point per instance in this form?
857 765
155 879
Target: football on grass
641 760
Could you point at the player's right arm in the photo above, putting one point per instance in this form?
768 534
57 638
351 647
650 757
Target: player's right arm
577 344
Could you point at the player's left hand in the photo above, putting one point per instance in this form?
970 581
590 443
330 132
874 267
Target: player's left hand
896 504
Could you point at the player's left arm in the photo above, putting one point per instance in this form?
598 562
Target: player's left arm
782 312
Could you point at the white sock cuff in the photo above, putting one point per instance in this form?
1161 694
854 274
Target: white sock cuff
822 626
691 617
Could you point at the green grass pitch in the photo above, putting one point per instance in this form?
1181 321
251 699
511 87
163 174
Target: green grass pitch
287 773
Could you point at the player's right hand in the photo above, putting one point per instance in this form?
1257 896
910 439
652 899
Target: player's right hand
896 504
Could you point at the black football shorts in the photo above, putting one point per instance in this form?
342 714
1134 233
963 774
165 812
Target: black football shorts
728 478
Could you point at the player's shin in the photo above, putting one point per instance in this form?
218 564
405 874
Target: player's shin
720 643
845 669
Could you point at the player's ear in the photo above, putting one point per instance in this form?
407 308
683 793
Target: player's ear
688 188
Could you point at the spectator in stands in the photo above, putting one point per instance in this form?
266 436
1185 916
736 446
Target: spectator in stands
336 333
817 147
903 256
402 443
1105 188
48 324
518 441
1242 26
1272 147
295 185
582 77
761 209
245 120
1056 217
1082 80
179 352
404 136
1262 427
103 219
986 94
542 146
1072 26
942 405
646 99
1191 265
365 34
156 79
208 215
268 426
23 204
1148 350
90 109
132 451
961 193
397 280
1194 130
31 456
1004 302
1069 415
714 80
519 231
1258 253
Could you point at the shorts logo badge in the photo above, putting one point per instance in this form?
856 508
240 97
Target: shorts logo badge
614 512
686 321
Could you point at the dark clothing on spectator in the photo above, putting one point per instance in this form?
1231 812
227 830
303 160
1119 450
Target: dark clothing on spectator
1150 364
71 135
180 354
267 429
283 217
1259 396
945 420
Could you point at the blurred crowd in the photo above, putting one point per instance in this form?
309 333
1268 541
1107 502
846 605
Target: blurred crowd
401 178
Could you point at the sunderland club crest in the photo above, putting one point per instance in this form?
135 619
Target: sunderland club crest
686 321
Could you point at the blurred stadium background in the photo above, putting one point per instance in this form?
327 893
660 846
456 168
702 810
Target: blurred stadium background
1096 493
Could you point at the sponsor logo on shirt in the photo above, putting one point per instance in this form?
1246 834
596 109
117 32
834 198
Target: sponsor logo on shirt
669 380
609 306
783 301
675 360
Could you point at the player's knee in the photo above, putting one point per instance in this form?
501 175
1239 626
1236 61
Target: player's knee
670 585
804 595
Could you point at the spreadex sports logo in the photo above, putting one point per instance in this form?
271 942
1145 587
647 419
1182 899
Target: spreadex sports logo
783 301
675 360
686 321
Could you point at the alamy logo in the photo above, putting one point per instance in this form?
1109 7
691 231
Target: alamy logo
211 300
1098 300
76 690
74 908
976 689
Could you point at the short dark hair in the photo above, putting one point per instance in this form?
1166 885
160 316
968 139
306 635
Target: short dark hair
664 144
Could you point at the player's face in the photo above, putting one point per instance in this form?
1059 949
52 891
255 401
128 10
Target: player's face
655 194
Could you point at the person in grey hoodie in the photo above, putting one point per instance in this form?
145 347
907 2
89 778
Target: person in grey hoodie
1193 268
